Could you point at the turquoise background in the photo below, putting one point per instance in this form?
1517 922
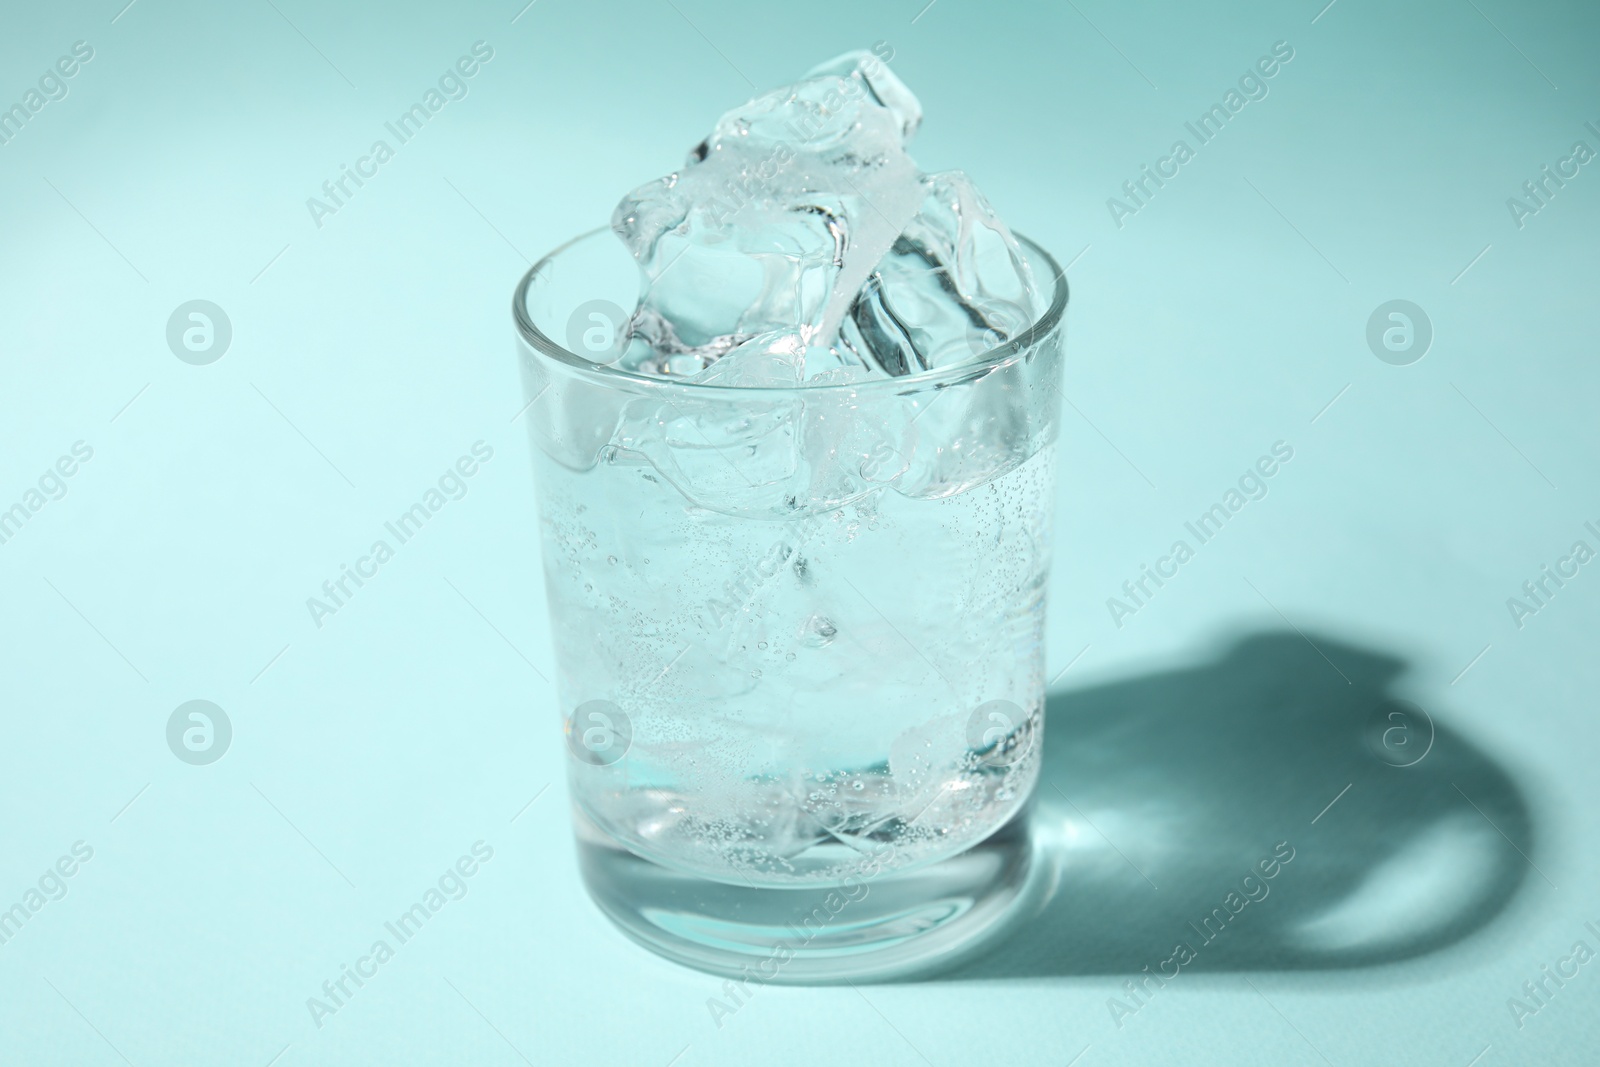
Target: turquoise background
1227 314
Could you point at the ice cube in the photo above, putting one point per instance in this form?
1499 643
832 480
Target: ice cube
953 286
767 360
778 218
887 90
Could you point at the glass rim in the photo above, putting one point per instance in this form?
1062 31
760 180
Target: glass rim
612 376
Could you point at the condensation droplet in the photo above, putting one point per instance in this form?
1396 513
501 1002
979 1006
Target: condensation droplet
818 631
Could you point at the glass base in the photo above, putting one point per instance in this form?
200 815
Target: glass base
895 925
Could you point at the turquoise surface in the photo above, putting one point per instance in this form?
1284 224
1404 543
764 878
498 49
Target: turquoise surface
1388 585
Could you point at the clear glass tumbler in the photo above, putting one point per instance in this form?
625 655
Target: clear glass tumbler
799 635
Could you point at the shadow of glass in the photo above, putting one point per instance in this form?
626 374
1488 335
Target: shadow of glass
1165 801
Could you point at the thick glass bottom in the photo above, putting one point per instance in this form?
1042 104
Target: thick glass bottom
891 926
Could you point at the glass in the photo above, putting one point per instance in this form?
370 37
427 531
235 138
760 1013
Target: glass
799 636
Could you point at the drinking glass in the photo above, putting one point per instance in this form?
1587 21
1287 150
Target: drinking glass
799 634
